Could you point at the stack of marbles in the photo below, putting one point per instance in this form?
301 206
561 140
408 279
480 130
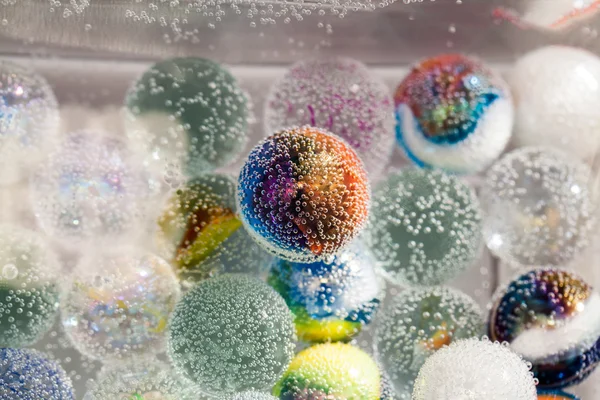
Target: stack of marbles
550 316
454 113
202 235
330 300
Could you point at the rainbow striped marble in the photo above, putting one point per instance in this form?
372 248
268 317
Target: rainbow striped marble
552 318
556 395
303 194
453 113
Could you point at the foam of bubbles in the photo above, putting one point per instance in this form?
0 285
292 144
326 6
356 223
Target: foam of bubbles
118 305
231 333
538 209
417 324
250 395
475 369
424 227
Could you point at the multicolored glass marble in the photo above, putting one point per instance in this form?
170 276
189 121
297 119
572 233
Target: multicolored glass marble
555 395
453 113
551 317
27 374
303 194
202 235
330 300
340 95
189 112
334 371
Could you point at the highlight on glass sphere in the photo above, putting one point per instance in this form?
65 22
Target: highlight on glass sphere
424 227
330 370
557 99
555 395
538 209
418 323
341 96
29 119
29 287
202 235
188 112
93 189
303 194
231 333
28 374
453 113
475 369
331 300
118 305
551 317
145 380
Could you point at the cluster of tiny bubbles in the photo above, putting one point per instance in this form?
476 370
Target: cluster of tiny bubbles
555 88
538 209
303 194
200 232
118 305
27 374
454 113
249 395
145 380
29 119
425 226
68 7
29 287
331 300
231 333
475 369
188 112
335 371
93 189
551 317
340 95
417 324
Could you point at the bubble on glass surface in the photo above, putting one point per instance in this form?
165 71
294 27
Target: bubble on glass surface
475 369
249 395
341 96
334 371
424 227
93 189
331 300
386 388
29 119
189 112
537 207
119 304
555 395
417 324
551 317
27 374
303 194
556 88
453 113
231 333
29 287
202 234
146 380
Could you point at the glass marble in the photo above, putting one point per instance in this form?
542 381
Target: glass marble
29 287
475 369
418 323
453 113
335 371
330 300
303 194
551 317
231 333
29 119
189 112
118 305
538 209
555 395
27 374
341 96
202 235
425 226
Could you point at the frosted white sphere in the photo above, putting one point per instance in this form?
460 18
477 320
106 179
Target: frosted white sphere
557 98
